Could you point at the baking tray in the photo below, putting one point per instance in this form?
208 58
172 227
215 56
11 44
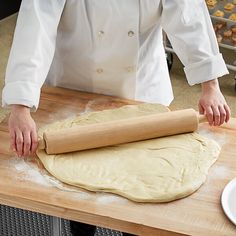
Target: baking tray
226 26
228 23
219 6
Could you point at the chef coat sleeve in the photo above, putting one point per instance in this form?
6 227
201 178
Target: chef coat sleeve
32 51
190 31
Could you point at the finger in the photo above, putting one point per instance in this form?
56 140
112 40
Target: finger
216 115
200 109
222 115
13 140
19 143
228 113
26 144
34 140
209 115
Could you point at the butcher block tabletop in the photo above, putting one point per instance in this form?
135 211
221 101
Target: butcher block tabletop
26 184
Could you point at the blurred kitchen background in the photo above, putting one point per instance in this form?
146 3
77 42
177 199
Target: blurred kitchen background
185 96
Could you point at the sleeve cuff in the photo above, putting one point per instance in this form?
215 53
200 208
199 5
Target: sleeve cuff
22 93
206 70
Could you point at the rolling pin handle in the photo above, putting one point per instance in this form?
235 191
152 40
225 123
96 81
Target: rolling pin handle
202 118
41 144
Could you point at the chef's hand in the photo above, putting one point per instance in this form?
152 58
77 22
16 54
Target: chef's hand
22 129
212 103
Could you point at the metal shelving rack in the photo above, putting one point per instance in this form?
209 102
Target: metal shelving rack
231 67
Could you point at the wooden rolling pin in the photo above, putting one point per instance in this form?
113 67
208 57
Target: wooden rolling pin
120 131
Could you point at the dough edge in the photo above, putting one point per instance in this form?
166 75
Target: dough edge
47 161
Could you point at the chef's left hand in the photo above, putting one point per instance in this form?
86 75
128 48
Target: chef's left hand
212 103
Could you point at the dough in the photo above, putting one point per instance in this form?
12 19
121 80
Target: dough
156 170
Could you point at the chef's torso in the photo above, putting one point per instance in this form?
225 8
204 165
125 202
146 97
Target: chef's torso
112 47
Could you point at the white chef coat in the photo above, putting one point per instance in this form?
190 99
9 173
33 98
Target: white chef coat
111 47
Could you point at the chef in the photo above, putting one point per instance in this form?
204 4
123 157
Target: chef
109 47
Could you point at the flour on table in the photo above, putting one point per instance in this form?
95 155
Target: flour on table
220 172
219 138
28 170
88 107
106 198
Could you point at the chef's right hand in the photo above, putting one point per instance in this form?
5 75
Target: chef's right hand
22 128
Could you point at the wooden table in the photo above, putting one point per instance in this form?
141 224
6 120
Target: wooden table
198 214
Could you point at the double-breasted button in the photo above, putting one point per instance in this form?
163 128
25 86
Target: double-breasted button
99 70
131 33
100 33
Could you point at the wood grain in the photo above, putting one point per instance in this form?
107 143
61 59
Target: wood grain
127 130
198 214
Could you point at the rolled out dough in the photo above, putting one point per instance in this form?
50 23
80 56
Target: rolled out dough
156 170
